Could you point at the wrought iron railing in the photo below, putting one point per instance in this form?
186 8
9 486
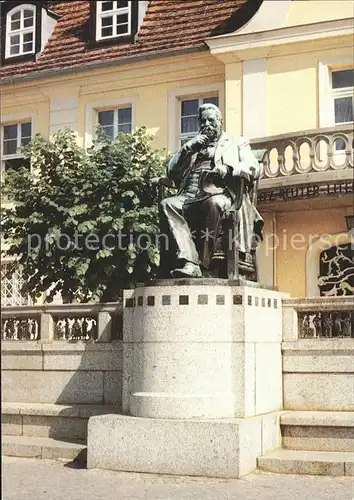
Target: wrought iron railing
65 322
309 151
318 317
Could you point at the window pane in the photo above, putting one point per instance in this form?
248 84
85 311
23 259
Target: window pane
106 118
10 132
211 100
122 19
343 109
107 6
125 127
190 107
342 79
122 5
124 115
15 40
109 130
16 16
28 47
28 23
10 147
15 49
15 25
122 29
106 32
26 130
17 163
189 124
28 37
28 14
107 21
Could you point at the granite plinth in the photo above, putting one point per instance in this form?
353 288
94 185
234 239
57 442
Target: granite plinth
202 349
214 448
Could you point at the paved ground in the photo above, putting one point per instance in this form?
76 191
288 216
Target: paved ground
31 479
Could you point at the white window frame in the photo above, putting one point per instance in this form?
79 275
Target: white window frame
115 118
112 12
15 119
93 108
188 135
342 92
175 98
20 32
325 94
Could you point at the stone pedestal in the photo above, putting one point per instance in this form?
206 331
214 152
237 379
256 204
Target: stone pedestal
201 367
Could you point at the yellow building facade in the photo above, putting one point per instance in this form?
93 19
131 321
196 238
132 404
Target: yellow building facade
273 80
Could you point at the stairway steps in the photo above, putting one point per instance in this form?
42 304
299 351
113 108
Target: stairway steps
50 420
319 463
40 447
318 431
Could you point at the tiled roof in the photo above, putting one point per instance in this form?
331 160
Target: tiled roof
167 25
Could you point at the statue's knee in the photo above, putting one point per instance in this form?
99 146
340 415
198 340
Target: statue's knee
220 202
164 204
168 203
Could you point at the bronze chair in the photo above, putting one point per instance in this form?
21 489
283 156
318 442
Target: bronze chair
228 262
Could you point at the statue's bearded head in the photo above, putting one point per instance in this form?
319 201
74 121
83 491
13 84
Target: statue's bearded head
210 121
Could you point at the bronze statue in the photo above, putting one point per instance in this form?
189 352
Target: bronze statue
207 171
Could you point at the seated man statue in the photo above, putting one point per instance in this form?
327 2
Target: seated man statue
207 170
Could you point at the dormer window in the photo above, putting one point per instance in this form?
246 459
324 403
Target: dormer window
20 31
113 19
25 28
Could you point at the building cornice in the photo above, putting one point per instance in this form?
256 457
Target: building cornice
236 42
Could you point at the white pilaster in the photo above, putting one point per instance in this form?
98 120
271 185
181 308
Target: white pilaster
254 98
63 113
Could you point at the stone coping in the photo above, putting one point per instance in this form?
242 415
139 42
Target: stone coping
203 282
320 344
59 346
313 304
69 310
318 418
57 410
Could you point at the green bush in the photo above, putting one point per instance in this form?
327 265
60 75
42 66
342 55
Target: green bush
73 196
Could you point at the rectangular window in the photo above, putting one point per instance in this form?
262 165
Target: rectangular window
13 136
11 283
189 125
342 100
113 19
342 94
115 121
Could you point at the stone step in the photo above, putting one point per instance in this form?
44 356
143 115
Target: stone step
50 420
39 447
316 463
318 430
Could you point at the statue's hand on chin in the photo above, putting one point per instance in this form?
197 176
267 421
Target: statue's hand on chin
198 142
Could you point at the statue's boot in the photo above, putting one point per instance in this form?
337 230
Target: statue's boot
189 270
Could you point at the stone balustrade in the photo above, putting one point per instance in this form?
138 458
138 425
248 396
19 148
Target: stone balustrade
293 158
318 318
65 322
